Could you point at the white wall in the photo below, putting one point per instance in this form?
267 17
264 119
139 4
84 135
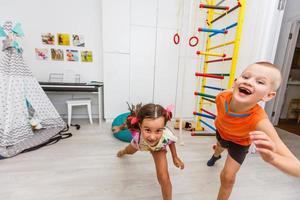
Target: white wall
141 35
58 16
260 32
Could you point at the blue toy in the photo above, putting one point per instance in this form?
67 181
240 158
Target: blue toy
123 135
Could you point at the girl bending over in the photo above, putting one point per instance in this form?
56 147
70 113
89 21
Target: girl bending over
147 126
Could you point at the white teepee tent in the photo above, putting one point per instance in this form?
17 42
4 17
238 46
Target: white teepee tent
28 119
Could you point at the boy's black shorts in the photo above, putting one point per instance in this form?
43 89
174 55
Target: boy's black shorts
236 151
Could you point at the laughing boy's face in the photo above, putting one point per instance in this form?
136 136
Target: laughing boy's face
254 84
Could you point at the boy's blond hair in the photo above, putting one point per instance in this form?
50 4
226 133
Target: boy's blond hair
277 75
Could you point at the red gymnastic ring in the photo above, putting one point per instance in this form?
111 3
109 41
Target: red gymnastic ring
176 38
191 40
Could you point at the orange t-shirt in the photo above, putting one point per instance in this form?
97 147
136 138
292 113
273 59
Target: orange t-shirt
235 127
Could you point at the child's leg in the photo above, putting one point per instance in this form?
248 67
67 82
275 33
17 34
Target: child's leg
127 150
217 154
227 177
162 173
116 129
218 150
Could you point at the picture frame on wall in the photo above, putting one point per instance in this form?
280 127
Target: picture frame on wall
63 39
41 54
78 40
86 56
57 54
48 38
72 55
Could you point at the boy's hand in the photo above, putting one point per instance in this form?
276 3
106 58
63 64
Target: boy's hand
178 163
264 145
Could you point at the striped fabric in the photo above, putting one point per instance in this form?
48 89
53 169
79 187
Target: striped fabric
17 84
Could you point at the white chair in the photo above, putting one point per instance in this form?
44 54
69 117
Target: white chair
79 102
69 76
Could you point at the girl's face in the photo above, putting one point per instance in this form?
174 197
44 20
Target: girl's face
152 130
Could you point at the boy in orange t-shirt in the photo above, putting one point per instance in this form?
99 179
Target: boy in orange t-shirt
241 121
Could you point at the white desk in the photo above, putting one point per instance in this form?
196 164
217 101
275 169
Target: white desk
76 87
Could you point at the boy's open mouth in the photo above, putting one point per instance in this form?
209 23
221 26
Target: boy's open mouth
245 91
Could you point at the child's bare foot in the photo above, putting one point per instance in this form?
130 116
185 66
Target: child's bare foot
121 153
116 129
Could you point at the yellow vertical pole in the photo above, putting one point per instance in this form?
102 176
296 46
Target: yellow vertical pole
208 41
237 39
236 47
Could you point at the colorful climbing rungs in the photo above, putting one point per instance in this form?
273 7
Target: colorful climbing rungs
210 30
204 115
205 95
216 11
225 29
221 45
226 13
213 7
211 54
214 88
218 60
209 100
209 75
220 74
206 111
208 125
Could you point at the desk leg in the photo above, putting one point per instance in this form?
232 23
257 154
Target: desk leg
100 93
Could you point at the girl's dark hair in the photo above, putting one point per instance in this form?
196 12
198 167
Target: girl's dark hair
150 111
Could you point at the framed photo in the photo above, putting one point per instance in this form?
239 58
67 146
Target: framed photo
41 54
86 56
78 40
48 38
57 54
72 55
63 39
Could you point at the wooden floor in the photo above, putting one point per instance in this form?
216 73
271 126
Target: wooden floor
290 125
85 167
